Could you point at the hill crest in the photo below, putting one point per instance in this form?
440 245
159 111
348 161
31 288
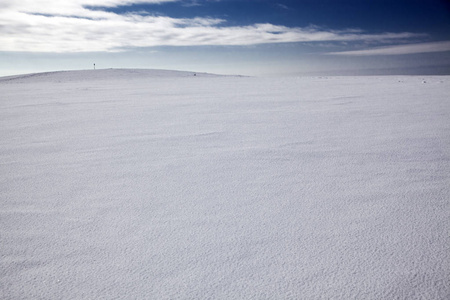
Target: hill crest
101 74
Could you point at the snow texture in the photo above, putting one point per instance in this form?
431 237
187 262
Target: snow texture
134 184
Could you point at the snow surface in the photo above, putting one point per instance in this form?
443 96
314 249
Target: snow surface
132 184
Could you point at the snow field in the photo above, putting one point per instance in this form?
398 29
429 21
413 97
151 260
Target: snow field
132 184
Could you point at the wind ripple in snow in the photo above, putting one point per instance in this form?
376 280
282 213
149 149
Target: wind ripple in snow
183 187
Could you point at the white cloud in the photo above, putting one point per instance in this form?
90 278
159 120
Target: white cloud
70 26
400 49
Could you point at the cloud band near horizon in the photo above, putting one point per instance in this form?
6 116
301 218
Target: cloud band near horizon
399 49
61 27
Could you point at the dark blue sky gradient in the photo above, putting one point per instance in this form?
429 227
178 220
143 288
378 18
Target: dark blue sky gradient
418 16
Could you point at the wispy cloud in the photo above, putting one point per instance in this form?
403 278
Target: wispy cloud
192 3
282 6
70 26
400 49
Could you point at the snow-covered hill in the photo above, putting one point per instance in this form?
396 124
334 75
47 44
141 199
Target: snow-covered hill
101 74
133 184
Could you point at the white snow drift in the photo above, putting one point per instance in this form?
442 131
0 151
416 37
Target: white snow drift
128 184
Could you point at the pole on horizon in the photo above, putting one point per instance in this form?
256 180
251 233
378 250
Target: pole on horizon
94 66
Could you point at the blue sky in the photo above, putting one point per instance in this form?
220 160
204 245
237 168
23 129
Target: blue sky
249 37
